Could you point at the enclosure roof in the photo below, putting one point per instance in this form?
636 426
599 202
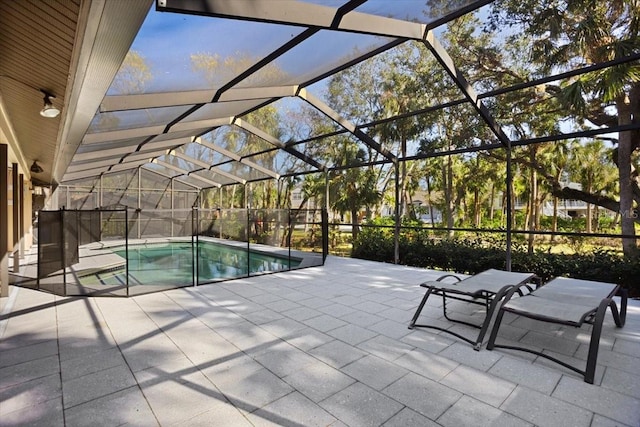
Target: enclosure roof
182 84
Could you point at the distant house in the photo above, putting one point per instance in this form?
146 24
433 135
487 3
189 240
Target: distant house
567 208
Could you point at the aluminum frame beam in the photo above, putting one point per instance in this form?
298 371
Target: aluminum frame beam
92 173
182 181
346 124
442 56
296 13
115 103
236 157
120 155
277 143
167 165
128 165
152 131
207 166
207 180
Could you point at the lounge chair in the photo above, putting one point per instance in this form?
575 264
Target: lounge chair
486 288
567 302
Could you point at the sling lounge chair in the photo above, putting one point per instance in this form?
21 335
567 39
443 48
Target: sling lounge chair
570 302
486 288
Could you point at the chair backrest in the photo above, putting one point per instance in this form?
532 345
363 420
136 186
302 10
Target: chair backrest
577 291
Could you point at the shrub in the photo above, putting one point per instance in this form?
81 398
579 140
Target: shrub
423 248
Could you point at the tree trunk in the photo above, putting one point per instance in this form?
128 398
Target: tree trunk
554 226
403 179
533 197
492 201
354 224
448 196
625 143
476 208
433 224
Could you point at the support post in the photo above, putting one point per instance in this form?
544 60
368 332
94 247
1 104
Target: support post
172 204
4 221
195 245
220 212
509 180
16 217
326 210
63 245
139 205
126 247
396 231
21 217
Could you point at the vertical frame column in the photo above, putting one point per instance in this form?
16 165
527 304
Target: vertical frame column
16 200
21 216
4 221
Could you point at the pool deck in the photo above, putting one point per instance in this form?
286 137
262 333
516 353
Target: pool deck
314 347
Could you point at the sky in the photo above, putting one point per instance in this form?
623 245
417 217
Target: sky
166 41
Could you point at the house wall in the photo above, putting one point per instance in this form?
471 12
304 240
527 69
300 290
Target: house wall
10 166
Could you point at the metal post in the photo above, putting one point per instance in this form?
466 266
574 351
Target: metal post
64 252
126 247
290 231
325 234
509 180
16 217
139 207
21 216
195 247
247 204
326 211
248 243
172 205
396 232
4 221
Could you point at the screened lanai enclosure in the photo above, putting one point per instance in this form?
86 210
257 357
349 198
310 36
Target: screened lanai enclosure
233 138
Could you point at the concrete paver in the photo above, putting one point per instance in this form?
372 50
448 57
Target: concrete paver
320 346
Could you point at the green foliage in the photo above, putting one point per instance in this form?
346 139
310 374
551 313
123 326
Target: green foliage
424 248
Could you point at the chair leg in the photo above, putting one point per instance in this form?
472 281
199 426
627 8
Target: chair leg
497 300
420 307
594 345
494 331
619 316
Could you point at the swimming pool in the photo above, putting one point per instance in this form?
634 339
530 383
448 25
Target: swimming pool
181 264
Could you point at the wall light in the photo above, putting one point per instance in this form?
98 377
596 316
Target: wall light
35 167
49 110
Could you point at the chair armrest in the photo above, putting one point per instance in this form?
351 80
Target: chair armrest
430 283
441 278
517 289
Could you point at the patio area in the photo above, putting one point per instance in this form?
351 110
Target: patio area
315 347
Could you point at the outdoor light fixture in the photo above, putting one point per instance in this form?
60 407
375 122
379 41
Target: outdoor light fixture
48 110
35 167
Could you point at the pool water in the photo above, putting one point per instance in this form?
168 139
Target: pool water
173 263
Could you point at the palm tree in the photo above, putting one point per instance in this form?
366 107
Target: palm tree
554 157
589 166
566 36
354 187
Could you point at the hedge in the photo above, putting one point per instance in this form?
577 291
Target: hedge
419 248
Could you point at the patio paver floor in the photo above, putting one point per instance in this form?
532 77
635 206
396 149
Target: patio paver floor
314 347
